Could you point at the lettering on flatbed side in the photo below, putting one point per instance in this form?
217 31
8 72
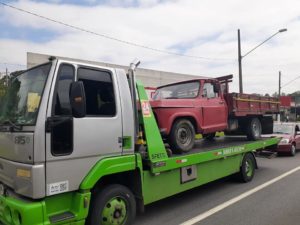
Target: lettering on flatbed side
232 150
157 156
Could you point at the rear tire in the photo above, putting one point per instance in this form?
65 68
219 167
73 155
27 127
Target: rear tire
115 204
253 129
182 136
247 169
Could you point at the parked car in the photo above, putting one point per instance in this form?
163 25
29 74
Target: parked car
290 134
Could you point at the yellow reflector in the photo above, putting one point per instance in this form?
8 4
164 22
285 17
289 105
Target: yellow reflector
23 173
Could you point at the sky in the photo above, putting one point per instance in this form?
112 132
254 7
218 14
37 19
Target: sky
204 29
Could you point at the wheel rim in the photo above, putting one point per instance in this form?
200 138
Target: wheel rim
114 212
249 167
255 128
184 136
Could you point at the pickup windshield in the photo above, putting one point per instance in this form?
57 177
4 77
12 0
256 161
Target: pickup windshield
178 91
21 101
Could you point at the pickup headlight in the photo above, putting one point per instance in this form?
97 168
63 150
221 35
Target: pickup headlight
284 141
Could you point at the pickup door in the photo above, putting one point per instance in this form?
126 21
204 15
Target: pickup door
213 107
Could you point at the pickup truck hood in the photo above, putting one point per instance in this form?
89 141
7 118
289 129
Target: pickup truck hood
172 103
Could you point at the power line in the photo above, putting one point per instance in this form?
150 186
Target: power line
110 37
12 64
290 82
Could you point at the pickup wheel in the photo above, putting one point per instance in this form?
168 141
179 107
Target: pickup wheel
115 204
182 136
247 169
253 129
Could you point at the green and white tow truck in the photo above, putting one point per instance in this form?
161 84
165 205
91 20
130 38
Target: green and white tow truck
79 145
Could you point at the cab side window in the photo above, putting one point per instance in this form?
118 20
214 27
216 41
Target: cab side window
208 91
99 92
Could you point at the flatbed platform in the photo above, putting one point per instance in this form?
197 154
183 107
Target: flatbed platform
203 145
219 148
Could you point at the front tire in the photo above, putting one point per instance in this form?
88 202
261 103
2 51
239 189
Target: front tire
247 169
115 204
182 136
293 150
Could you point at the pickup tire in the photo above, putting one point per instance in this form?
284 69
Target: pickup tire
182 136
115 204
247 169
253 129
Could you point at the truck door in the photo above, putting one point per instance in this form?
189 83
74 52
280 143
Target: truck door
214 109
74 145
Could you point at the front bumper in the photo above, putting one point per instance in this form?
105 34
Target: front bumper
16 211
284 147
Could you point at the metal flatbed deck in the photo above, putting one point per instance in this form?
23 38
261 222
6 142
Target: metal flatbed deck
203 145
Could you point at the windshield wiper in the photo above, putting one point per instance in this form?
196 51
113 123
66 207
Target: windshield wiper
12 125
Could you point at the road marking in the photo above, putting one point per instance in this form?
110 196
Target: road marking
230 202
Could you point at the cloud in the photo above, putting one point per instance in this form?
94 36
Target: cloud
205 28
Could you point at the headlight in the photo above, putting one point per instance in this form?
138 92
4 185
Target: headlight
285 141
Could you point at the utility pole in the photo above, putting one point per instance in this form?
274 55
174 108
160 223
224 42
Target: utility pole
6 76
279 93
240 56
240 62
279 86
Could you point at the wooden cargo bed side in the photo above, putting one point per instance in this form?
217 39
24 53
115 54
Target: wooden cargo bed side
247 104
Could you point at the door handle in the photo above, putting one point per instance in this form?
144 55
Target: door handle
221 103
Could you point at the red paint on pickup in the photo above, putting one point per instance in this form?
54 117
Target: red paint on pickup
207 103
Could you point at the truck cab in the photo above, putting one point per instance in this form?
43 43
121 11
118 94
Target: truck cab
49 141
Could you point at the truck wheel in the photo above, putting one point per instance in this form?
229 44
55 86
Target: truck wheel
115 204
247 169
293 150
254 129
182 136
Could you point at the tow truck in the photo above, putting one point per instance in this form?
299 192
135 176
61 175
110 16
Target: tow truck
79 144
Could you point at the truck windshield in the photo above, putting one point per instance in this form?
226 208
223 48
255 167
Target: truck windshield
283 129
21 101
178 91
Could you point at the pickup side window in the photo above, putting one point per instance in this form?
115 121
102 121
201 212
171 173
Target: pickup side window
99 92
208 91
62 125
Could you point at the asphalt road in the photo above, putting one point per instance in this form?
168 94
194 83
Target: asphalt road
277 204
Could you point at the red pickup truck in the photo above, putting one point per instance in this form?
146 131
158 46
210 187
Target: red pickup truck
205 106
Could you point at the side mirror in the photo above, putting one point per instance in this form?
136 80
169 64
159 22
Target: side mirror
77 99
